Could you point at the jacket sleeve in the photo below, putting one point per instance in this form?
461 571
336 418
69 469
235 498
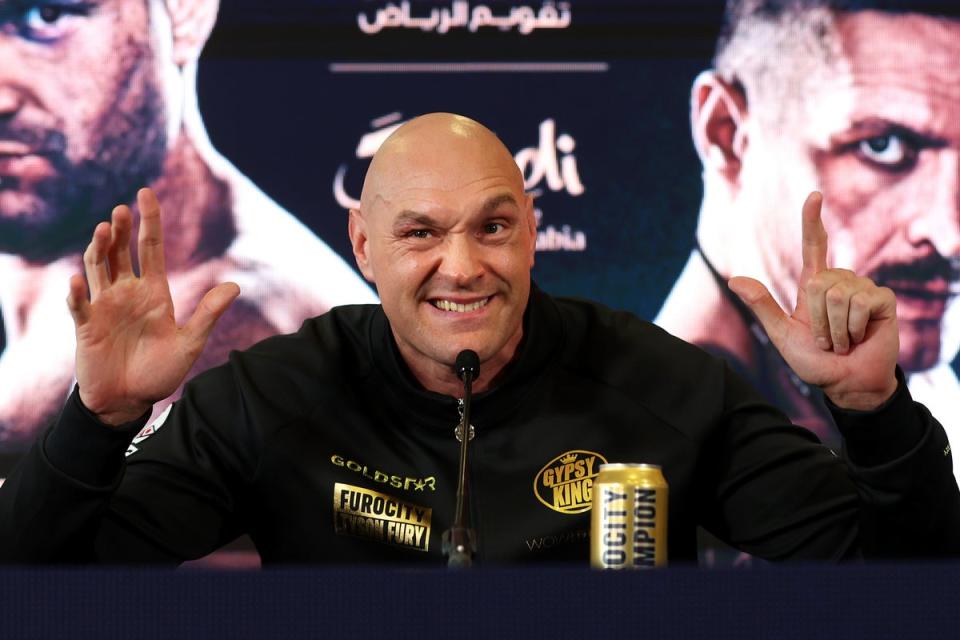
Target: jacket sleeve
88 493
780 494
901 463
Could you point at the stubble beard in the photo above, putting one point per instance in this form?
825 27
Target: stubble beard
57 217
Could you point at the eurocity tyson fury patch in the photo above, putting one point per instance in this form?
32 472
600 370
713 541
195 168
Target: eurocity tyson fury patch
565 484
362 513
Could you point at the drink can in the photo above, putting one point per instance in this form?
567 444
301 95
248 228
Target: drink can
628 522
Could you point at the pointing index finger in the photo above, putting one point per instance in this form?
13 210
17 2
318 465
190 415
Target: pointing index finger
150 237
814 236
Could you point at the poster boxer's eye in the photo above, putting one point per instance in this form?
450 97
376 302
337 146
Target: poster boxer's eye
48 21
892 151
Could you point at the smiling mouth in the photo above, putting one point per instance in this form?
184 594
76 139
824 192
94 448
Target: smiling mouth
457 307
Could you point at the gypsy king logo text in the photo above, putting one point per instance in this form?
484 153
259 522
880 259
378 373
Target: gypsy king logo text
565 484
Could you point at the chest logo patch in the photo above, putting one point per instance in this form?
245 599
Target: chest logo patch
362 513
565 484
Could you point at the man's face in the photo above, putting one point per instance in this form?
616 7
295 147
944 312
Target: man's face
880 136
450 247
81 119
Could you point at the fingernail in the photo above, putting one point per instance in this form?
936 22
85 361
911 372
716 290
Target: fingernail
824 344
839 350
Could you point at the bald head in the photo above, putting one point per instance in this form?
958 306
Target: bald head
447 235
444 150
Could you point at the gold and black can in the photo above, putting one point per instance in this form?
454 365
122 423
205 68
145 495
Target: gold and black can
628 523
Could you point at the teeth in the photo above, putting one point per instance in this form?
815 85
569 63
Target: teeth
447 305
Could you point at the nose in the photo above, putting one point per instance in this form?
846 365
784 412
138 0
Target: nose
10 100
461 261
11 91
938 221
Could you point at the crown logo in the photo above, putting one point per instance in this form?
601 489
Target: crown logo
567 459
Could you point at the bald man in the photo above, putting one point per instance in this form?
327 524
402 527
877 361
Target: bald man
337 444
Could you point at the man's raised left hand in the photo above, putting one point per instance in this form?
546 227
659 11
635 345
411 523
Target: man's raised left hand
842 336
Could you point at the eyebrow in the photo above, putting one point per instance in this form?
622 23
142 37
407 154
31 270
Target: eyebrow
493 203
409 217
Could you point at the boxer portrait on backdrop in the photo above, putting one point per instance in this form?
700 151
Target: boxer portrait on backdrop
96 100
860 99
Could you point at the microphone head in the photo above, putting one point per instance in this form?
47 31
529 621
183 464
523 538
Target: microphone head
467 362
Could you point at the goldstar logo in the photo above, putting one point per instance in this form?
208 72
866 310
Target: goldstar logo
565 484
398 482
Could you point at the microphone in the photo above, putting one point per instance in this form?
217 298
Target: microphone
467 363
460 541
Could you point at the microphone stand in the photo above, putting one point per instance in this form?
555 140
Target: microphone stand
460 541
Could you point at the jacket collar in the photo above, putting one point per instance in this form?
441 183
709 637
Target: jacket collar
542 337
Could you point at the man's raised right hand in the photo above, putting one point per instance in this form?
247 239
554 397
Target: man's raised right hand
130 351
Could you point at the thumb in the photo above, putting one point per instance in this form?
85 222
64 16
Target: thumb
753 294
211 307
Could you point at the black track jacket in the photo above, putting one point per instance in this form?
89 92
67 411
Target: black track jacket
321 446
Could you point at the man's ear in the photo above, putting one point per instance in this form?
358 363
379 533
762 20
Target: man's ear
718 114
531 220
191 22
357 228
